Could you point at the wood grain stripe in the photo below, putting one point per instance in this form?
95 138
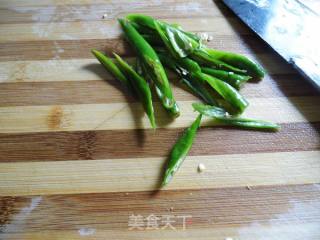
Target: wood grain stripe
103 29
228 207
144 174
115 116
255 230
111 91
57 146
219 213
90 69
92 12
25 3
70 49
77 156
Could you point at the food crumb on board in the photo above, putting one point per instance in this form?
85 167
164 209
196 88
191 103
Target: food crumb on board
127 194
104 16
205 37
191 194
201 167
248 187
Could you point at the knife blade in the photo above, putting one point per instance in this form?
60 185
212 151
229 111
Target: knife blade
289 27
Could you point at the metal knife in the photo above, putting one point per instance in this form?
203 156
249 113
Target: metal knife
289 27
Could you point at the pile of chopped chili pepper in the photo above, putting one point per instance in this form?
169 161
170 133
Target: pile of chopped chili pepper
214 76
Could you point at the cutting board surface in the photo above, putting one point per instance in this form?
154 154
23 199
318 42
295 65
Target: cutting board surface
78 159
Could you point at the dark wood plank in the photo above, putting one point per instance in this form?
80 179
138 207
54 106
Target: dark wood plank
55 146
111 91
70 49
208 208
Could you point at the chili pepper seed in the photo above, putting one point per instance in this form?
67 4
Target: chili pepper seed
201 167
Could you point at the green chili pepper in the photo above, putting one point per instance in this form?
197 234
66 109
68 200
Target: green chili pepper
239 61
229 93
189 34
112 68
181 43
180 150
190 42
235 80
165 40
142 29
199 89
141 87
176 39
152 39
195 86
208 110
188 64
141 19
153 66
200 55
148 21
221 116
192 72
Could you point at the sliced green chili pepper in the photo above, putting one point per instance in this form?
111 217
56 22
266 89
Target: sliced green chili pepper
153 66
112 68
176 39
208 110
180 150
181 42
239 61
235 80
177 42
195 86
165 40
148 29
221 115
200 55
199 89
141 87
191 35
142 20
142 29
229 93
212 57
148 21
188 64
152 39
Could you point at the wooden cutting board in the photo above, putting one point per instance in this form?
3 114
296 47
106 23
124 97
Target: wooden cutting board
78 159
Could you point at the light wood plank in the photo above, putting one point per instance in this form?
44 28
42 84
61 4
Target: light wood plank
127 116
89 69
51 70
144 174
51 149
81 11
106 29
26 3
